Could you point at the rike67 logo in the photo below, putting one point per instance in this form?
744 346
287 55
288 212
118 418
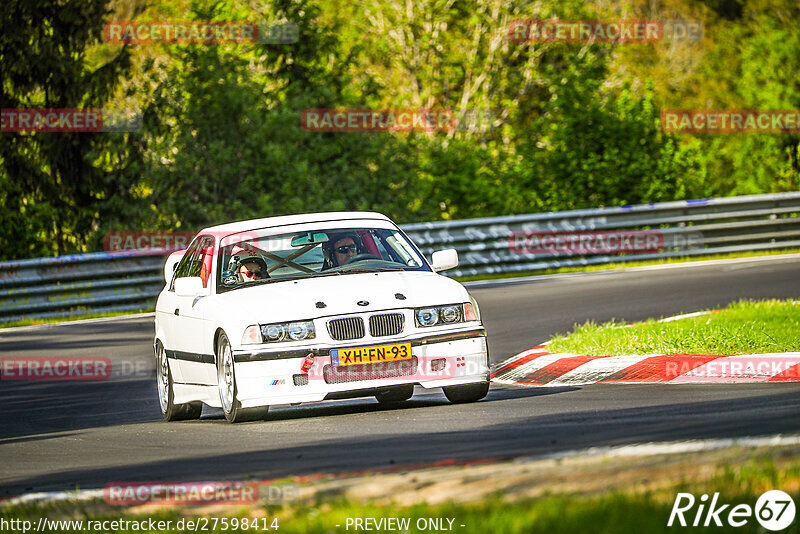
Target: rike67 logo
774 510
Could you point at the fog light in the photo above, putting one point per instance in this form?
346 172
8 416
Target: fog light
300 380
438 364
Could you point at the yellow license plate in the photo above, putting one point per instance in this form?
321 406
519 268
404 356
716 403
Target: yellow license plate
373 354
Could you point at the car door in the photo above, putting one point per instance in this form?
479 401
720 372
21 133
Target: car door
190 322
166 309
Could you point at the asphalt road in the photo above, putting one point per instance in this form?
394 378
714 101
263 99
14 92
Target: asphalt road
59 435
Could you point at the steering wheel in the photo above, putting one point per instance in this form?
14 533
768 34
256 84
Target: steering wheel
363 256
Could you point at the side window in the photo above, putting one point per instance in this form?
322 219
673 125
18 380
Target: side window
206 257
192 262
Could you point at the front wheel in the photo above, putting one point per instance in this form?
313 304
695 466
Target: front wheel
166 396
466 393
226 381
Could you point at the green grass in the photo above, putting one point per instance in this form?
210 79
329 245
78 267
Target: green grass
628 511
744 327
79 314
622 264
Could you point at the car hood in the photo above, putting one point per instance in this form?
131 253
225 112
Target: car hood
297 299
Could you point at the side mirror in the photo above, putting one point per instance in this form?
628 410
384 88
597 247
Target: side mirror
442 260
189 286
172 262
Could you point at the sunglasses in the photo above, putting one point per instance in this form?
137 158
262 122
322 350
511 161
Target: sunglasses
344 249
257 273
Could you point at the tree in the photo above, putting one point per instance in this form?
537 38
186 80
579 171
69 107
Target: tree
52 183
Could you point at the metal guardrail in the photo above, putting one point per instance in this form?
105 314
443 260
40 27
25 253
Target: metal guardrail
118 281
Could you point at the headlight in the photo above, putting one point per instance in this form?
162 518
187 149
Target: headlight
300 331
294 331
451 314
440 315
428 316
274 333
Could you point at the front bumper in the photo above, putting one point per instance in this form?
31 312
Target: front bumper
442 359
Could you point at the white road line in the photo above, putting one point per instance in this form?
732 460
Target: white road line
683 316
672 447
80 321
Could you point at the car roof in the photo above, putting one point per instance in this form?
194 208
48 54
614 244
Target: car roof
283 220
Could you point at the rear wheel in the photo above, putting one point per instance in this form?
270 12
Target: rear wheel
395 394
226 380
466 393
166 396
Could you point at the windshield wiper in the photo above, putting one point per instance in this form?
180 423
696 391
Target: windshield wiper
249 283
284 278
367 270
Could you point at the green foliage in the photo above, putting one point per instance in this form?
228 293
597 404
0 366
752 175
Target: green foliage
573 125
592 147
52 188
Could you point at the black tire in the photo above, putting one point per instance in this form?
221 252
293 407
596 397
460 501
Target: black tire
166 395
228 392
395 394
466 393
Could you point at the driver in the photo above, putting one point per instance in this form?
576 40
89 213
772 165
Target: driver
340 249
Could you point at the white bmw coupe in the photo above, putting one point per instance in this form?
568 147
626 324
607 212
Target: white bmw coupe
307 308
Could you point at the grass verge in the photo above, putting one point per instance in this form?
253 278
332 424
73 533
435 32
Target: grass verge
744 327
634 495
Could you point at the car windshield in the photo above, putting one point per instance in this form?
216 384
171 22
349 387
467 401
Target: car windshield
253 259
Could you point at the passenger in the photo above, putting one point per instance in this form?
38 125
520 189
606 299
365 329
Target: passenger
253 268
